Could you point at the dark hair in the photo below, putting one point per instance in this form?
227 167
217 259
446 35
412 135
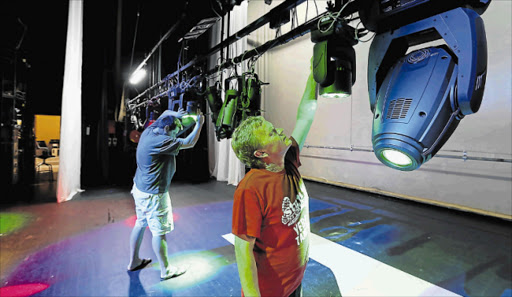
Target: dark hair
165 119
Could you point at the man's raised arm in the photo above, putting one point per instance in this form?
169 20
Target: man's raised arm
306 112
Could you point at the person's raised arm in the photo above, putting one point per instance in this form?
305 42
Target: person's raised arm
246 263
177 114
305 112
192 138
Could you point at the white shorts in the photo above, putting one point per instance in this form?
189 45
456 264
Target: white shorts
153 210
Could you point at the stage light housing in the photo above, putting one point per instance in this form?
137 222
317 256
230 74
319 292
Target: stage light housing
250 96
416 109
334 59
229 115
191 117
213 97
419 98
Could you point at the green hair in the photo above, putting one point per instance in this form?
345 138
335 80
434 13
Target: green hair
244 141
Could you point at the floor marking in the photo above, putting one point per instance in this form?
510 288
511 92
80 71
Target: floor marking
360 275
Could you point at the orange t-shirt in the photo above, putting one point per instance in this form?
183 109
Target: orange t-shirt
273 207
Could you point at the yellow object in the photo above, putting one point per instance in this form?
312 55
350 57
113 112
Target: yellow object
46 128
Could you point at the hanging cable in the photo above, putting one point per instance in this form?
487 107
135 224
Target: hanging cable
333 16
135 35
357 37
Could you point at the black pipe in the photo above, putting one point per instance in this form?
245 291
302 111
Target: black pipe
171 30
221 40
293 34
275 12
227 47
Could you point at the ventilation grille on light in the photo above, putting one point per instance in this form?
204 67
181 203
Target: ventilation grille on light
418 56
398 108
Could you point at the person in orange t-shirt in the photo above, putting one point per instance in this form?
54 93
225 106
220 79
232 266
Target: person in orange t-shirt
271 204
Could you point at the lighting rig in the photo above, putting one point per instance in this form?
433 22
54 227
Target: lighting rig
240 102
417 97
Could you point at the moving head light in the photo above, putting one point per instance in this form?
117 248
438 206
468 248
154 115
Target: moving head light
228 118
418 99
334 58
213 97
240 102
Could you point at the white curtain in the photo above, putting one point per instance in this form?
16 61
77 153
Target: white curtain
224 164
71 114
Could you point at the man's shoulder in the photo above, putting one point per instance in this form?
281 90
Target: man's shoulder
249 181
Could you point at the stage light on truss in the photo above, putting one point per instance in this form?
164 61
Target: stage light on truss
334 59
419 98
416 109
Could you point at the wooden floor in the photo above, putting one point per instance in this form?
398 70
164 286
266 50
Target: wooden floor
362 245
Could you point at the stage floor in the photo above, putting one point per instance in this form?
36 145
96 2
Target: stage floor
361 245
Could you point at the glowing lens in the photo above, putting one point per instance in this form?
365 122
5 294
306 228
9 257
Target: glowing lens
397 157
193 117
137 76
335 95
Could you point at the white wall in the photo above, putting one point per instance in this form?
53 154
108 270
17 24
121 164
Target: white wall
479 186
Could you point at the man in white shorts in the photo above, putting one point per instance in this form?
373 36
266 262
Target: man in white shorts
156 165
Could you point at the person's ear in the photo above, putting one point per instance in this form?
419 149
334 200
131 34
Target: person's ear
167 129
260 154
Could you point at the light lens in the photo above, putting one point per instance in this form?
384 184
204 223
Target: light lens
334 95
396 157
137 76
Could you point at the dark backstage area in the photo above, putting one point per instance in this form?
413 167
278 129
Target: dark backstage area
256 148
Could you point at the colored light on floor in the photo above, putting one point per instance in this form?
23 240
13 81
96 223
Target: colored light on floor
201 267
130 222
10 222
23 290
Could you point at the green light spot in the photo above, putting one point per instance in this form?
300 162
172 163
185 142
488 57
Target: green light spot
10 222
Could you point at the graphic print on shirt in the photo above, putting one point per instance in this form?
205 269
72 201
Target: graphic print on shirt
291 211
292 217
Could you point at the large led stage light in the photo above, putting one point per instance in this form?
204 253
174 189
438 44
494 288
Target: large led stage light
418 99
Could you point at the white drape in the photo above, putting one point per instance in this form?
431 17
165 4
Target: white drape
71 113
224 164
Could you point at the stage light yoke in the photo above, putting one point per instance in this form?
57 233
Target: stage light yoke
419 98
